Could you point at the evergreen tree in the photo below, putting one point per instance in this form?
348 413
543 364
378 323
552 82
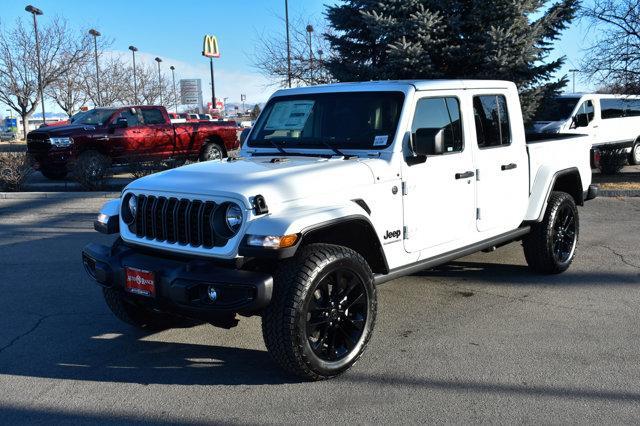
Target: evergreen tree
431 39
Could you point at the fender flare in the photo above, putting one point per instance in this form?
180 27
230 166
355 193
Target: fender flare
536 211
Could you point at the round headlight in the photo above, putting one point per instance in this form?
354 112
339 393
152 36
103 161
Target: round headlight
129 208
133 205
233 217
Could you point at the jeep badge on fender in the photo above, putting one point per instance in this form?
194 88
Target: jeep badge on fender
193 242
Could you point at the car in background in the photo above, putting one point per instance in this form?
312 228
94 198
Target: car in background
176 118
103 137
612 122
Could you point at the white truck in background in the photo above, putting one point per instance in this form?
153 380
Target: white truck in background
339 188
612 122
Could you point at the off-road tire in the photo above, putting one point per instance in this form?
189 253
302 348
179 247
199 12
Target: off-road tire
634 155
54 173
539 243
212 151
284 320
135 315
611 162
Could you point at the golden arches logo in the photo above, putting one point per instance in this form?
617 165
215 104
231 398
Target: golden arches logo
210 47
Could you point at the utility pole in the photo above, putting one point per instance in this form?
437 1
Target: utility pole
574 71
35 12
286 18
158 60
133 50
175 97
95 35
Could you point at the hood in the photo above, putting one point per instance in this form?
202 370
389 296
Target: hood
61 131
278 179
546 126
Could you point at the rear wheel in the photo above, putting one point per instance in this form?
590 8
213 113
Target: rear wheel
634 157
550 247
611 162
54 173
323 311
212 151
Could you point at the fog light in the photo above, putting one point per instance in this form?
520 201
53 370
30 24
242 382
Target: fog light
212 292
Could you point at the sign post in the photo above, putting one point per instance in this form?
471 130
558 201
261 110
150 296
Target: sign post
210 50
191 92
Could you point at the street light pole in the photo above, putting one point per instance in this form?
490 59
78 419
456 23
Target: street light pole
310 31
286 18
574 71
158 60
133 50
175 97
35 11
95 35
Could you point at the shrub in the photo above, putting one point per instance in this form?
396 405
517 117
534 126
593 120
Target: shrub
15 168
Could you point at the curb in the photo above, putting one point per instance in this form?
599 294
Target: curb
69 194
70 187
618 192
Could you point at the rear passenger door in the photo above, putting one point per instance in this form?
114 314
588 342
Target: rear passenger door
439 199
501 162
160 142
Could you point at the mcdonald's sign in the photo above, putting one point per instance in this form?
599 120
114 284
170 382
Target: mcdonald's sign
210 47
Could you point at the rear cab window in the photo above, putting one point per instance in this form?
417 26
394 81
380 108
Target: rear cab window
491 116
153 116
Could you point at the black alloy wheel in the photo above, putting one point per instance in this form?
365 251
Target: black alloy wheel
336 314
564 234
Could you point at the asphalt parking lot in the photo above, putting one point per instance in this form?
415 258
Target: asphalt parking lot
479 340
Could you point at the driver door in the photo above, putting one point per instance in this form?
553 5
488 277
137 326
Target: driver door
439 200
128 143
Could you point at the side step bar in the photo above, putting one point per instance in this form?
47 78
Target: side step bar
452 255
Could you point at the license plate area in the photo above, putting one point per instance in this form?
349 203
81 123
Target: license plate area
140 282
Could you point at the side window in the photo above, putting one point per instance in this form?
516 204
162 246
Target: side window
492 121
612 108
586 108
632 107
132 119
153 116
440 113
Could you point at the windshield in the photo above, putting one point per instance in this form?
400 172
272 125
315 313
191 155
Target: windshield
95 117
556 109
358 120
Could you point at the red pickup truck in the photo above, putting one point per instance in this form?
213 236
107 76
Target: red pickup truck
119 136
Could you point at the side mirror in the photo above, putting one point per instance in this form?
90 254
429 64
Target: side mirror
428 142
120 123
244 134
581 120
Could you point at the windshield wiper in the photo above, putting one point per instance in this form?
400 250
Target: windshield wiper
325 142
278 147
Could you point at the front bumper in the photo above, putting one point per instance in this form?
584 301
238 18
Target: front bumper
181 286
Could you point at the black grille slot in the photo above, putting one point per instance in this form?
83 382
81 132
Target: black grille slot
177 221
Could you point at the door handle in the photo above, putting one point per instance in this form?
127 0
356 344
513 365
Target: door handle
508 166
464 175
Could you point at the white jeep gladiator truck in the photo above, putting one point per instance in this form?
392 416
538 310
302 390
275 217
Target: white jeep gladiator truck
337 189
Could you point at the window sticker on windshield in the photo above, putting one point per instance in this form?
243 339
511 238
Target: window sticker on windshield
289 115
380 140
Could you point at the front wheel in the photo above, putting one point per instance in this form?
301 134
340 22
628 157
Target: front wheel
212 151
634 157
322 313
550 247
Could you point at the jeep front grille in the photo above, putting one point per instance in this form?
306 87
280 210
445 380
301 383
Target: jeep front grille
176 221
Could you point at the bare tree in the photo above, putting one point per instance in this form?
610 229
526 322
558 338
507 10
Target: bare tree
307 66
68 91
60 50
614 59
114 81
149 88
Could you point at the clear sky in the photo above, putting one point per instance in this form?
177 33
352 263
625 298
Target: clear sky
174 32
